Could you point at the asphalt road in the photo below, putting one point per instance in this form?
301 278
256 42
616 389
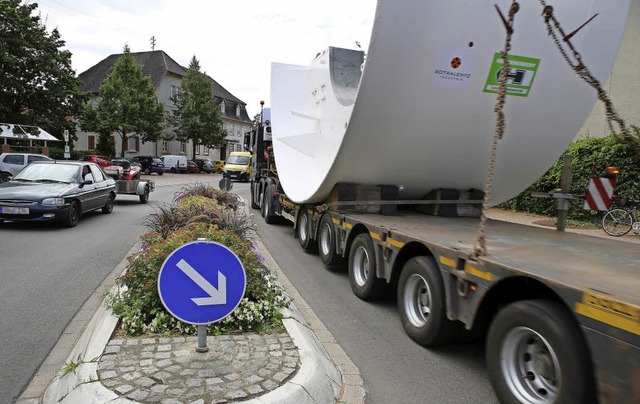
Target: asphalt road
49 271
393 367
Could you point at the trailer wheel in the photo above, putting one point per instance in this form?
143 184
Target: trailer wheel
254 205
422 305
362 269
537 354
303 232
267 205
144 198
327 239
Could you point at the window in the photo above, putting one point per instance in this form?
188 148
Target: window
206 151
133 144
173 91
91 142
198 149
223 107
165 146
31 159
183 147
16 159
238 110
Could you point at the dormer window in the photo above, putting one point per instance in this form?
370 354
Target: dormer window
223 107
238 110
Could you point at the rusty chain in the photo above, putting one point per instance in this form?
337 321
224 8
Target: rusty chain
613 118
480 248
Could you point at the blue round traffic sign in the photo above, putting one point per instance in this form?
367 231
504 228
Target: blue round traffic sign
201 282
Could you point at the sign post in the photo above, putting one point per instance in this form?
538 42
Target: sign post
200 283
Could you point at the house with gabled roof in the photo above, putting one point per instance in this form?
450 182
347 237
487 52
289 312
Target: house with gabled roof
166 76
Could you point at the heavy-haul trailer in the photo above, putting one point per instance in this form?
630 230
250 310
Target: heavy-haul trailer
560 312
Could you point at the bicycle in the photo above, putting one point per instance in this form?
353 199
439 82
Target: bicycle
621 218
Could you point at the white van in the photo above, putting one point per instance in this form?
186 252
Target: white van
173 163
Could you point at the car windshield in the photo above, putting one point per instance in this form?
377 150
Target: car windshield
239 160
157 160
49 172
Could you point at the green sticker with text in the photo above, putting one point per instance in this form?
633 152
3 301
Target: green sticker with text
522 71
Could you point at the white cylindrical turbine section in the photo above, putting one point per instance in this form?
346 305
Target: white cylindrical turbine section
423 115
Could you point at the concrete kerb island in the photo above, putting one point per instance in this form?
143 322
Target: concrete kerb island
326 374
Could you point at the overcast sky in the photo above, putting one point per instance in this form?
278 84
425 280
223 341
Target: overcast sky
234 40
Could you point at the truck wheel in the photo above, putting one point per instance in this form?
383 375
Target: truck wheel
73 216
254 205
303 232
327 243
267 205
422 305
108 207
536 353
362 269
144 198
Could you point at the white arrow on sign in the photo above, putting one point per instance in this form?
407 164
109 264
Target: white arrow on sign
216 296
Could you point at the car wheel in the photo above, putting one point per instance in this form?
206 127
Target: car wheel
160 172
108 207
144 198
147 171
73 216
4 177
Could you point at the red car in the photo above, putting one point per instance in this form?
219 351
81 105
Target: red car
102 161
128 181
192 167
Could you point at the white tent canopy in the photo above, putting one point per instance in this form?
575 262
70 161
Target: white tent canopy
25 132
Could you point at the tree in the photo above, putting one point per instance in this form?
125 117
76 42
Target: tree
39 87
196 117
127 105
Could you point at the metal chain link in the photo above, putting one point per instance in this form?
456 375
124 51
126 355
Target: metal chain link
480 248
613 118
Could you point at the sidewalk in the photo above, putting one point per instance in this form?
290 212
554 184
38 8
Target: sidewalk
303 365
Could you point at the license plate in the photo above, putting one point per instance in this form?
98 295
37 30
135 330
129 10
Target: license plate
9 210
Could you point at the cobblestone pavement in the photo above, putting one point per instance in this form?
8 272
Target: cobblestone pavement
169 370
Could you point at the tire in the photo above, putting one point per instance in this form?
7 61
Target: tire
617 222
108 207
327 243
536 353
160 172
73 216
422 303
144 198
4 177
303 232
254 205
362 269
267 205
147 171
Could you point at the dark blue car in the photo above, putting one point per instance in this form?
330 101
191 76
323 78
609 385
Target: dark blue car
149 164
56 191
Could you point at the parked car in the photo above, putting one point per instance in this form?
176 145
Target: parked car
12 163
192 167
150 164
102 161
56 191
204 165
175 163
218 166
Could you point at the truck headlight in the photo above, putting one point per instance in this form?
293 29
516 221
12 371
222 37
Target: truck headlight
53 201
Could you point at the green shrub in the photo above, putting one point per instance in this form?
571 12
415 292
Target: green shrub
139 305
589 158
